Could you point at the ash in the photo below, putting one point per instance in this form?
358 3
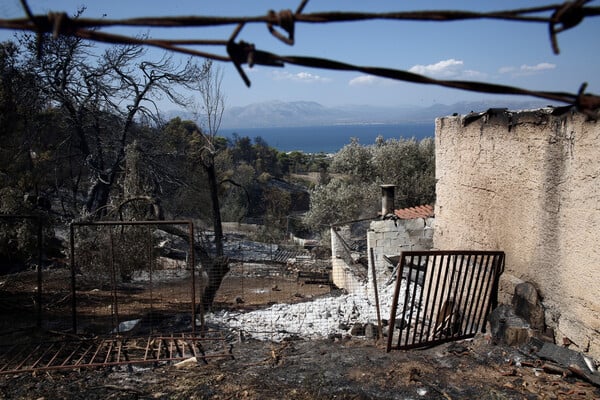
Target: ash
324 317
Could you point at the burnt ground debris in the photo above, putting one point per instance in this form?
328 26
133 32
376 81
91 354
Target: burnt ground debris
326 369
343 367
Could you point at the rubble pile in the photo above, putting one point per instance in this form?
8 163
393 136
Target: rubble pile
326 317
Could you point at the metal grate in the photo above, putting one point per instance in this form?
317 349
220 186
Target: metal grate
442 296
97 353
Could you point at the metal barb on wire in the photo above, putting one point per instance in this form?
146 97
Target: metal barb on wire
38 30
567 16
284 19
588 104
301 7
240 54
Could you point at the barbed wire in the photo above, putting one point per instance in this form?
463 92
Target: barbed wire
558 17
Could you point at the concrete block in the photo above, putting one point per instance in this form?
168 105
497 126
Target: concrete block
414 224
428 233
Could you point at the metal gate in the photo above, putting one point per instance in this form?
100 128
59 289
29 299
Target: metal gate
111 352
442 296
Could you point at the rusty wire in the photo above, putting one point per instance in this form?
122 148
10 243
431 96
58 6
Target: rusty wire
558 17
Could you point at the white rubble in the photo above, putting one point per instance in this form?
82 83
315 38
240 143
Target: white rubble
315 319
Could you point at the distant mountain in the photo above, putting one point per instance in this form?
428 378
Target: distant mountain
310 113
279 113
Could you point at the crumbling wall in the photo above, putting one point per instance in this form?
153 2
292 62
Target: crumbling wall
386 237
390 238
527 183
346 273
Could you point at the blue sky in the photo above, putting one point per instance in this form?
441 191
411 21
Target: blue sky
511 53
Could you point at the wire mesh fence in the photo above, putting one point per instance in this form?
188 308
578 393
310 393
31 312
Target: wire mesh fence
21 298
137 279
121 282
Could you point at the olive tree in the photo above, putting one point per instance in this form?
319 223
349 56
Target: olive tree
406 163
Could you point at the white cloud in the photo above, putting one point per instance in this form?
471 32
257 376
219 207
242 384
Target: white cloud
363 80
537 67
506 70
472 74
299 77
370 80
444 68
525 69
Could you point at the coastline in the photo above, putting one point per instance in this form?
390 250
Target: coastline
331 138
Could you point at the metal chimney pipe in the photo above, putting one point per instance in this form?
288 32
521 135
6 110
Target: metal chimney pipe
387 200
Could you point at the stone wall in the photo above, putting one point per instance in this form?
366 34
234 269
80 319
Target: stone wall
528 183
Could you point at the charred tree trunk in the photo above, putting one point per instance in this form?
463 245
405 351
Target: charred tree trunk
216 214
216 270
218 267
98 198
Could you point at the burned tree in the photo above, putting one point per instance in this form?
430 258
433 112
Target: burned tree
102 97
213 105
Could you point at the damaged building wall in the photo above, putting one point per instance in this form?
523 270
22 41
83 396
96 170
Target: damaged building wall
527 183
391 237
346 272
386 237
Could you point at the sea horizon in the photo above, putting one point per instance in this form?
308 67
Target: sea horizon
331 138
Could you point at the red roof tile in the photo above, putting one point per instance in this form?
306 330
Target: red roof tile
425 211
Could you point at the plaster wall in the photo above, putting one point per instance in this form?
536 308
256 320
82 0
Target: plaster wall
527 183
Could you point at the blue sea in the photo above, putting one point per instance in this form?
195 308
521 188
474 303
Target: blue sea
330 139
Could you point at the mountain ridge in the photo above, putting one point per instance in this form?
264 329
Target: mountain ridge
277 113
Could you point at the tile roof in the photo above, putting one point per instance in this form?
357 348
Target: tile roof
425 211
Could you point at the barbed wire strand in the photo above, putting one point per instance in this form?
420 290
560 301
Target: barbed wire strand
561 17
561 11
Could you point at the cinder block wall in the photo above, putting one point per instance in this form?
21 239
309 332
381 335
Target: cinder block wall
528 183
385 237
390 238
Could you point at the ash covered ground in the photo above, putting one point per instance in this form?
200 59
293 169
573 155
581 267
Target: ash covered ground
320 369
339 366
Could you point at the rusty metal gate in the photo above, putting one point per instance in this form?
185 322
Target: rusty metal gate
442 296
111 352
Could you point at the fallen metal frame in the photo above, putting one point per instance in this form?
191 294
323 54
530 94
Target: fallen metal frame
447 296
110 352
